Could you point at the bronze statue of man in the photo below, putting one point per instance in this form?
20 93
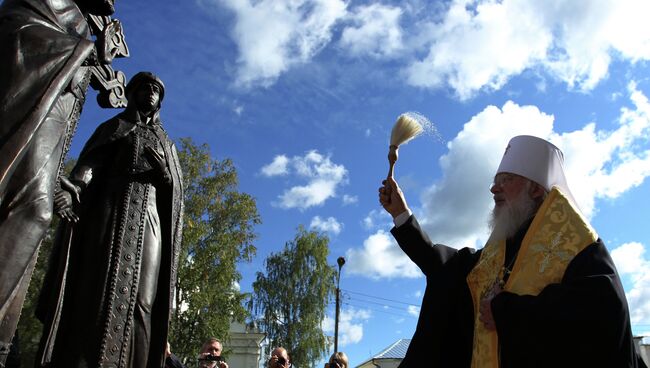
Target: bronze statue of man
44 45
108 293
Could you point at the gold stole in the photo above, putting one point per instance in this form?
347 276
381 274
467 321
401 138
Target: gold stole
558 232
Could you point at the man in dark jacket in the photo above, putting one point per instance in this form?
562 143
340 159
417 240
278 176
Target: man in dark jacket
543 292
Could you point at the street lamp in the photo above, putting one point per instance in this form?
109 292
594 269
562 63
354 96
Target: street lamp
340 261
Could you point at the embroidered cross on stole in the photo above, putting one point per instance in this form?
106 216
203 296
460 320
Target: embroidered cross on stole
558 232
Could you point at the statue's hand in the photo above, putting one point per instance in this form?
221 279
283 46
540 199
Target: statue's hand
72 189
158 162
63 206
154 158
63 200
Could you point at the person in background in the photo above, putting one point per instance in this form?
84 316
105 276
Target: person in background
209 357
279 358
338 360
543 292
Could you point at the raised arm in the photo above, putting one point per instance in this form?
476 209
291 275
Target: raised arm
410 237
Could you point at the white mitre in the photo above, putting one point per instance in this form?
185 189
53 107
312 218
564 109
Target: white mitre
538 160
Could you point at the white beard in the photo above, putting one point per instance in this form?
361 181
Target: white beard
507 219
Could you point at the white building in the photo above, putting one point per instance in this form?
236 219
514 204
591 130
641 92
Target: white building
244 346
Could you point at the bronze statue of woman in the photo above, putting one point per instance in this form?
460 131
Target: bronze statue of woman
107 296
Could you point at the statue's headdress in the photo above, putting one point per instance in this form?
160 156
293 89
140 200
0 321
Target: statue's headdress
142 77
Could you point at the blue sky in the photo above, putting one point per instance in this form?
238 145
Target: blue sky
302 96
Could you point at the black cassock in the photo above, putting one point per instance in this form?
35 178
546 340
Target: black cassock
581 322
108 294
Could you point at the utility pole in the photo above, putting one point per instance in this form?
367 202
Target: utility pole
340 261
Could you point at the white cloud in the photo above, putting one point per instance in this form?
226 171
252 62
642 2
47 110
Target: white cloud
272 36
377 219
350 325
598 164
590 34
374 31
605 164
322 175
418 294
413 310
313 194
277 167
481 44
349 199
631 262
469 46
629 258
454 210
380 257
330 225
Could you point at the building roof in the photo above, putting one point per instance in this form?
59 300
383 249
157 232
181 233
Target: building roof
396 350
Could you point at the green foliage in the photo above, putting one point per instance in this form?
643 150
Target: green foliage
289 301
217 234
29 327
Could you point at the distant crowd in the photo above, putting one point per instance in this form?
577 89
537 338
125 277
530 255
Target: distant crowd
210 357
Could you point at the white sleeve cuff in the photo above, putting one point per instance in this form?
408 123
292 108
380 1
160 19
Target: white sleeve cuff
400 219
